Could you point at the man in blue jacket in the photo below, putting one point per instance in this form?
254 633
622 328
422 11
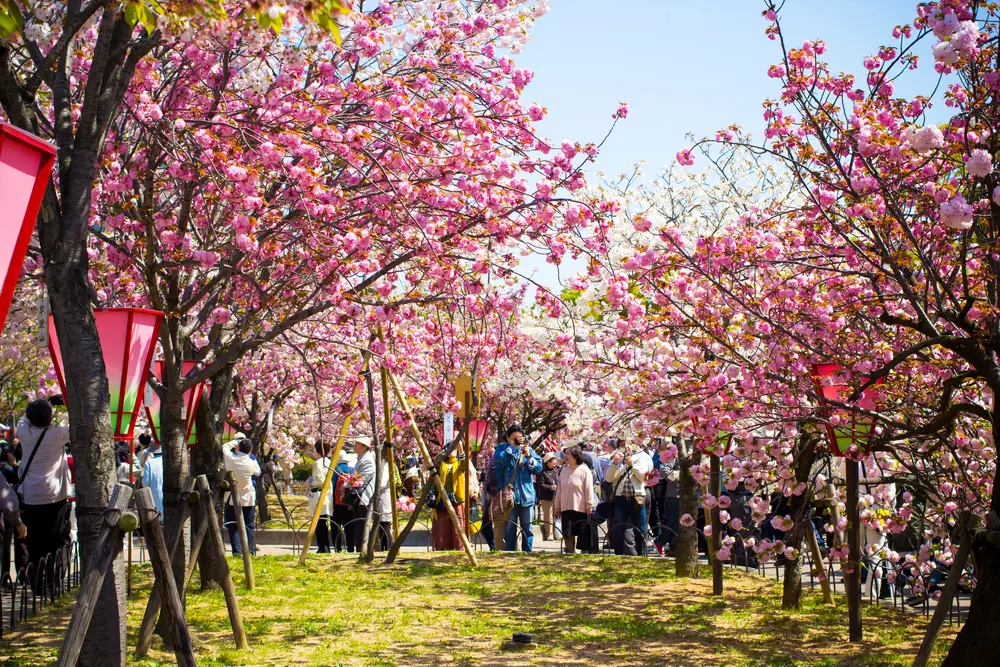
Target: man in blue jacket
516 462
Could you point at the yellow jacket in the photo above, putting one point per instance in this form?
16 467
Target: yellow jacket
457 477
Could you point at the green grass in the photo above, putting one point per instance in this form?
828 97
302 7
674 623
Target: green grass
432 609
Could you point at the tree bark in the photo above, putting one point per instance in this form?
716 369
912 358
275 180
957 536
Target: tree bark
206 459
686 557
175 471
978 642
791 594
87 399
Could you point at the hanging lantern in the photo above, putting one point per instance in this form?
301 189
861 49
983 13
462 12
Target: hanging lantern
477 434
192 398
128 340
25 165
722 444
229 432
845 428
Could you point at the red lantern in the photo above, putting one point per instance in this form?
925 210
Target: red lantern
723 441
845 428
25 165
477 434
128 340
192 398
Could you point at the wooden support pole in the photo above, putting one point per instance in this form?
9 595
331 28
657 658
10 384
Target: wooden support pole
397 543
715 480
819 567
196 542
950 586
468 458
212 521
328 480
373 518
390 454
148 624
241 526
852 580
109 543
428 459
180 639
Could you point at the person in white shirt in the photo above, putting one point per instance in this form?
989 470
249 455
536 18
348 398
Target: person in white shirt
244 468
43 481
321 467
629 470
383 509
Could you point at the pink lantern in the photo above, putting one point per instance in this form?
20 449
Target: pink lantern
25 165
477 434
833 383
128 340
192 398
229 432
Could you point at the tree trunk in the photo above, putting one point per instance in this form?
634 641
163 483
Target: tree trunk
791 595
263 510
978 643
175 464
206 459
87 399
686 556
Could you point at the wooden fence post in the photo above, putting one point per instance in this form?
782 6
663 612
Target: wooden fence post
145 640
212 521
234 499
109 543
180 639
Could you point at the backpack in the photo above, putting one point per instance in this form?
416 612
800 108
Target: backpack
491 477
338 490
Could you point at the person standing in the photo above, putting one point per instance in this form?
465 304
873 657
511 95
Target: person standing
445 534
342 513
244 469
667 496
152 476
320 468
515 466
545 490
627 475
44 482
574 497
365 467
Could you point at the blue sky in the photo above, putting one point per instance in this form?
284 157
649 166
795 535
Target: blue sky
683 67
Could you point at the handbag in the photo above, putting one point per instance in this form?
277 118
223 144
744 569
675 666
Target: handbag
27 466
502 503
606 508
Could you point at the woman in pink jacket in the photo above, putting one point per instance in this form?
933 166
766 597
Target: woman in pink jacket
574 500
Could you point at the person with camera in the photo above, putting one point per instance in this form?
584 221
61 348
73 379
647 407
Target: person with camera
516 463
629 470
244 468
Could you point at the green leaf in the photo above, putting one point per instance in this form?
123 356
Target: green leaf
147 18
131 14
15 13
8 26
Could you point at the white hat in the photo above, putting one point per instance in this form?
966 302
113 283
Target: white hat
362 440
343 457
548 457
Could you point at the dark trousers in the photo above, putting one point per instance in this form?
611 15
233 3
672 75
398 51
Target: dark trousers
670 523
486 528
342 517
323 541
630 521
234 531
358 515
48 531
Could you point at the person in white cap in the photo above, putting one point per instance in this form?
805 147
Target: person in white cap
383 508
244 467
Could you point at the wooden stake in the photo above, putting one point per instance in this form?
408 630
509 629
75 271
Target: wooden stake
397 543
819 567
426 454
234 499
468 465
148 625
109 543
852 580
950 586
328 480
196 543
212 521
715 480
180 639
